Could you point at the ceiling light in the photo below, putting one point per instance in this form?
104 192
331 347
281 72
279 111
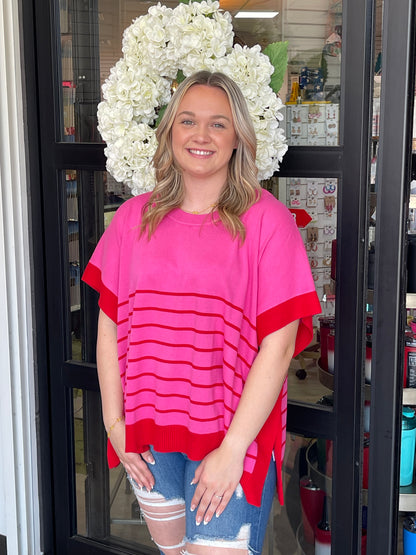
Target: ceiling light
256 14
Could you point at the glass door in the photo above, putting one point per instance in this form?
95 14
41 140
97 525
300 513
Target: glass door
323 179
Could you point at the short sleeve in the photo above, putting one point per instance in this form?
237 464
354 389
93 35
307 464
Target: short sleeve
102 271
286 289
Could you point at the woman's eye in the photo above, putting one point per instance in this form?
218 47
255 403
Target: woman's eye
219 125
187 122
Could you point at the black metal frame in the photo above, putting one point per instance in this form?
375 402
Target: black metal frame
348 163
351 274
395 171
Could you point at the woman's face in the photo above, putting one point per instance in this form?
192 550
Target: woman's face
203 135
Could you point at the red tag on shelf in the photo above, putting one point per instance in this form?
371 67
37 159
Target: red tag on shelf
302 218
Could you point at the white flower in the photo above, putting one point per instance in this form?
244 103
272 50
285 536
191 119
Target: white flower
155 47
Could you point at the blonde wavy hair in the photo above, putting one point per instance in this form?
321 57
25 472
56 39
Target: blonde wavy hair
241 189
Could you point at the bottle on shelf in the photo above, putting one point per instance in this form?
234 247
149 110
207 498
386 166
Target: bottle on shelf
312 499
323 533
407 449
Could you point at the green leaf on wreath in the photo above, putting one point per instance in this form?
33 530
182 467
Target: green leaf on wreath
277 53
160 113
180 76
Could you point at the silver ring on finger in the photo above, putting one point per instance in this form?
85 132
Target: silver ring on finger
219 496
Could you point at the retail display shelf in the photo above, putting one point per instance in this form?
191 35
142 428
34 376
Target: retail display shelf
407 498
411 300
409 396
327 379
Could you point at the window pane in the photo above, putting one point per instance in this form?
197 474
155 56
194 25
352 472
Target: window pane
314 33
73 268
307 482
91 198
91 35
314 204
105 504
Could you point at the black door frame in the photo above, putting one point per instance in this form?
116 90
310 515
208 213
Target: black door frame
394 170
348 163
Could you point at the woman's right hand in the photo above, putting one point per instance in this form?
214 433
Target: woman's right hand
134 464
113 405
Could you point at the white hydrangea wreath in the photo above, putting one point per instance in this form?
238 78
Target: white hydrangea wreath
164 46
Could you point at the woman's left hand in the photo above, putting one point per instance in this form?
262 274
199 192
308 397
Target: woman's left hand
216 477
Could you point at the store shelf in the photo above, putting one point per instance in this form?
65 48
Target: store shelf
407 498
327 379
411 300
409 396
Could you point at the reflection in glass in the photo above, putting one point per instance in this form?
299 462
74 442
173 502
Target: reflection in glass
313 91
91 35
94 197
125 516
303 525
74 272
313 202
79 70
79 455
105 503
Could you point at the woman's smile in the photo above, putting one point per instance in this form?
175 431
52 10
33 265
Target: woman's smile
200 152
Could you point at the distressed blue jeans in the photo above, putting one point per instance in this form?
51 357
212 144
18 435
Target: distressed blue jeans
241 525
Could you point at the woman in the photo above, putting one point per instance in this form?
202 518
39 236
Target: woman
205 296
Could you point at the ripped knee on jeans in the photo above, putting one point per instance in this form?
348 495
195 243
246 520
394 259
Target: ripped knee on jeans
205 545
165 519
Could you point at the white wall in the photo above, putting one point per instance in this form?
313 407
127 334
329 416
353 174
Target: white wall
19 503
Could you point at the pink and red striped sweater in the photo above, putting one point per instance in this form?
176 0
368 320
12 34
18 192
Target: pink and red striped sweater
192 306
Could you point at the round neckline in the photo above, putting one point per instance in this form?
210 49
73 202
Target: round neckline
187 218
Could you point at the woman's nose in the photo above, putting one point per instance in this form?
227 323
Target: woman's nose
202 133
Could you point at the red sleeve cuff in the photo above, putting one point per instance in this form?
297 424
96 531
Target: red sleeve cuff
108 300
112 456
302 308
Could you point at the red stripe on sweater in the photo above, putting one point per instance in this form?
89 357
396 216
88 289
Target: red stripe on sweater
166 361
173 395
173 410
180 345
174 379
197 295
